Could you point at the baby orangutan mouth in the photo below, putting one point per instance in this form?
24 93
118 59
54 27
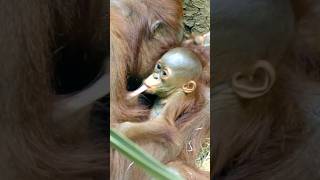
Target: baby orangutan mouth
177 70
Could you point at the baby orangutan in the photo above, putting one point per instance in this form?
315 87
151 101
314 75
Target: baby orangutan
174 82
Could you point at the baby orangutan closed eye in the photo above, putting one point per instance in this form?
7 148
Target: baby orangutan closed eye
174 81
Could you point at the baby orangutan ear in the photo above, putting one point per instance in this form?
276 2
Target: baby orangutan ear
257 82
189 87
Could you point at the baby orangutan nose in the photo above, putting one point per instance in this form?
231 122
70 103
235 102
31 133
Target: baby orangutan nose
177 70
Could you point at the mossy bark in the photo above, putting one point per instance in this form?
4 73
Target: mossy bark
196 16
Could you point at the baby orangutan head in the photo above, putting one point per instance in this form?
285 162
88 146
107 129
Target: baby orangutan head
177 70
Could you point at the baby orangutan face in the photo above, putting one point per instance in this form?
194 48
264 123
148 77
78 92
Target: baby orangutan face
177 70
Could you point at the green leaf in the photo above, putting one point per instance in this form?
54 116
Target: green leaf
133 152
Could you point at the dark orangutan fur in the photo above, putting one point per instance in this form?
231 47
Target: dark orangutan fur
274 136
34 145
307 41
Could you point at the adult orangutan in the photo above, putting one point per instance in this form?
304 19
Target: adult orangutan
260 130
140 32
49 50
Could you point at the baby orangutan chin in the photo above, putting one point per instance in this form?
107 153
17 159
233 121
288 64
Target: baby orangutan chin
174 82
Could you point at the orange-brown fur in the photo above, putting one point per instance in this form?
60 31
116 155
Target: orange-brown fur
133 47
178 105
188 172
133 52
168 142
